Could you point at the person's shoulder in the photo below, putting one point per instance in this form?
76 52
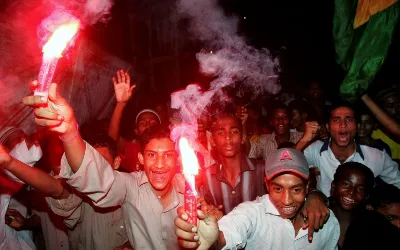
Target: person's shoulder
316 146
252 206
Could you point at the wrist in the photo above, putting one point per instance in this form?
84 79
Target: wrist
71 133
8 163
122 104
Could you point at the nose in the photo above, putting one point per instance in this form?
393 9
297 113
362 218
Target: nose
286 198
228 136
342 124
160 162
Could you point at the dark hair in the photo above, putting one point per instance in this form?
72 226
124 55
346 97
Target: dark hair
300 105
383 195
385 93
156 132
218 116
99 140
275 105
342 103
369 176
363 110
286 144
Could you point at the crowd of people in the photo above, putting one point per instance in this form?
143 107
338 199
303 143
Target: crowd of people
303 173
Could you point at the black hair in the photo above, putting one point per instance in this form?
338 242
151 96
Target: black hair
100 140
214 119
385 93
369 176
286 144
383 195
300 105
155 132
363 110
275 105
342 103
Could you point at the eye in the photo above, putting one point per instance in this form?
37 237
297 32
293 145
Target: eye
169 155
335 120
345 184
277 189
235 131
361 189
151 154
220 133
349 119
297 190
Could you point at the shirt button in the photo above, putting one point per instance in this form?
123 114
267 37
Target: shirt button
233 192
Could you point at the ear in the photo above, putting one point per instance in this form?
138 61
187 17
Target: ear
140 158
212 140
333 188
243 138
358 126
117 163
136 132
266 184
327 127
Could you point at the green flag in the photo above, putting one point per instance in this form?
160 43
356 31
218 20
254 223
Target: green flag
361 50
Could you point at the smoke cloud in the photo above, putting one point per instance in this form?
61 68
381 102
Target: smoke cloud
230 61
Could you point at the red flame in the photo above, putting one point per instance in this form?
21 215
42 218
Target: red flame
60 39
189 159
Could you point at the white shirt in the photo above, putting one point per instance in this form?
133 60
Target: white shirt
258 225
149 225
320 155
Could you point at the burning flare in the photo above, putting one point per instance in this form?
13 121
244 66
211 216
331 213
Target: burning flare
60 39
189 159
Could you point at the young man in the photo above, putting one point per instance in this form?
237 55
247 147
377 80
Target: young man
234 178
300 113
366 125
351 186
327 156
90 227
148 198
273 221
377 227
267 144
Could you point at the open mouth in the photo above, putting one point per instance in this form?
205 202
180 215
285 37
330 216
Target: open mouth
344 136
160 175
288 210
347 201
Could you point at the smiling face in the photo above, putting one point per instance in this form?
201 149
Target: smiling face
281 121
342 126
226 136
159 159
287 192
350 190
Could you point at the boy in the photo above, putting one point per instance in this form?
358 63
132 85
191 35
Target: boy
273 221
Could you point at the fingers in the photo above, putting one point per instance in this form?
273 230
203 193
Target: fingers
188 244
185 231
127 78
131 88
54 96
33 85
119 77
43 113
47 123
34 101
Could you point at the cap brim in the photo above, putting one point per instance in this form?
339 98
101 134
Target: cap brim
302 175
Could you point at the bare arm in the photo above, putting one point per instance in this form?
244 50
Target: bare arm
388 122
36 178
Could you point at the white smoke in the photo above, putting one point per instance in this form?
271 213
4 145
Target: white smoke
231 60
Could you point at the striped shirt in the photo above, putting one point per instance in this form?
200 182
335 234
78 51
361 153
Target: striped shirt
249 184
257 225
267 144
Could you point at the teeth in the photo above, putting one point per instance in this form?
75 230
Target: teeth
288 210
347 200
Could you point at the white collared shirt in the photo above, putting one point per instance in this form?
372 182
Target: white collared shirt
320 155
148 224
258 225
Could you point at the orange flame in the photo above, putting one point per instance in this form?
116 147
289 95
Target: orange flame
60 38
189 159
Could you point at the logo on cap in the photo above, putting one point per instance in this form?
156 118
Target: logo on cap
286 156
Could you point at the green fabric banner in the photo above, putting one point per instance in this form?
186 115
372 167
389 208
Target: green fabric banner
361 51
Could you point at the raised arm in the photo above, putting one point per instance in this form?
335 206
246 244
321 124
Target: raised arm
123 92
388 122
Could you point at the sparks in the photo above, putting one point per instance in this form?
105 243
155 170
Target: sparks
60 39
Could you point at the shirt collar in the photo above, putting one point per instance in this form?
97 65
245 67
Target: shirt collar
325 147
178 181
270 208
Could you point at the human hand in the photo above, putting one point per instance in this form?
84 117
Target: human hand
126 246
242 114
210 209
311 131
123 89
55 113
192 237
316 213
323 133
14 219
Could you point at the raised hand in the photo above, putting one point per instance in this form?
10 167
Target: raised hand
54 113
242 114
123 89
